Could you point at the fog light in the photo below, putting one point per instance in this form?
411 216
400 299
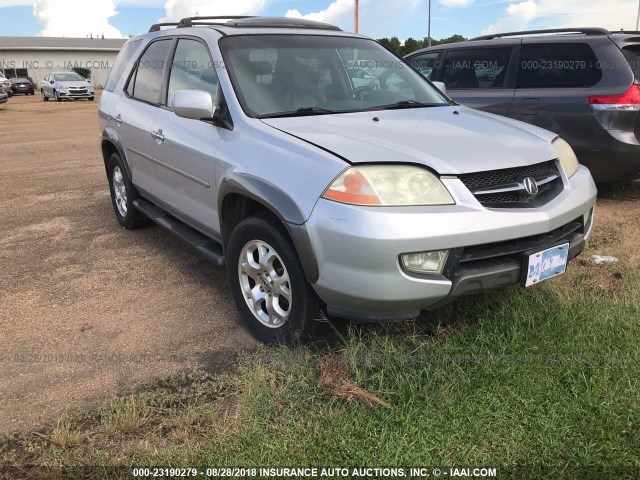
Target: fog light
425 262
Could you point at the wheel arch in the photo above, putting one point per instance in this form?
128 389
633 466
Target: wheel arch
111 144
241 195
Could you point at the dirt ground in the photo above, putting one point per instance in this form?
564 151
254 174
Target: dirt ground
87 309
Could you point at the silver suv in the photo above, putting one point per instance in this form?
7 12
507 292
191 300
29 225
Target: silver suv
247 138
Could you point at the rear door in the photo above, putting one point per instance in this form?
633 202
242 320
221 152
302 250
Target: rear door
480 77
554 81
144 90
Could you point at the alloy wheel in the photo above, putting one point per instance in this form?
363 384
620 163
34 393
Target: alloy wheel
265 283
119 191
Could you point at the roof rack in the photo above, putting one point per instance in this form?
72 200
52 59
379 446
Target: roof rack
158 26
247 22
584 31
217 20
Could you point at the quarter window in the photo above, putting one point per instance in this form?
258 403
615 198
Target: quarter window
121 62
148 77
192 69
476 68
549 65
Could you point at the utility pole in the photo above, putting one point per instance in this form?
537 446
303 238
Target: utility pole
429 27
357 17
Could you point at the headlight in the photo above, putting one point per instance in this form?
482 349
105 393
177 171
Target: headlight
388 185
567 157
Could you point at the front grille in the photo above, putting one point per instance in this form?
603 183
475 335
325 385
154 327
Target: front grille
510 178
80 91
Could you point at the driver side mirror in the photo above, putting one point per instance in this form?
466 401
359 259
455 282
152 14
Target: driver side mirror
193 104
52 82
440 86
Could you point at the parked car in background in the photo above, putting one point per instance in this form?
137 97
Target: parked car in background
374 202
5 84
65 85
4 96
21 85
582 84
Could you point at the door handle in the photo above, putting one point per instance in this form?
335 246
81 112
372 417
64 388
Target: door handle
158 135
118 119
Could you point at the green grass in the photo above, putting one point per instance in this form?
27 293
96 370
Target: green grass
543 377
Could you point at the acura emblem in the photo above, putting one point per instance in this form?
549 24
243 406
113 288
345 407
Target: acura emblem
530 186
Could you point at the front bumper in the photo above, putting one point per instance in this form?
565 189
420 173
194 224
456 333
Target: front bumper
76 95
358 248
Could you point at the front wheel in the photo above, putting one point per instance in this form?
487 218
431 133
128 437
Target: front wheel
44 95
271 292
91 99
55 95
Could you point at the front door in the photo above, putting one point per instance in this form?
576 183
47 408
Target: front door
184 149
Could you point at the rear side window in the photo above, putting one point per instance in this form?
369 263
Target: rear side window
120 64
148 77
550 65
476 68
426 63
192 69
632 54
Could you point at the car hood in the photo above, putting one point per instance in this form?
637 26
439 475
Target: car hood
448 142
77 83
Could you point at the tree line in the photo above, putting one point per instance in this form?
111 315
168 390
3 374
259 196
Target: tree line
411 44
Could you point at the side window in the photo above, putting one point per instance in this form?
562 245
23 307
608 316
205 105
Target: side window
632 54
549 65
476 68
121 62
426 63
192 69
146 83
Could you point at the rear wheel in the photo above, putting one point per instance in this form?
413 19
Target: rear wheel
271 292
123 194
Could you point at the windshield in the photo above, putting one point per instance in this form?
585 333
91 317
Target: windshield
68 77
287 75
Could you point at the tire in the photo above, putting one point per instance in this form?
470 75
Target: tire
44 96
91 99
303 305
55 95
128 216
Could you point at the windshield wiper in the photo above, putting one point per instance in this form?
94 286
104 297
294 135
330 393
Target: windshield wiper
411 104
300 112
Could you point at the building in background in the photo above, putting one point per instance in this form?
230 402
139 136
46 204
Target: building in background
35 57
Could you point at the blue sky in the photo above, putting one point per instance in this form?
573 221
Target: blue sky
378 18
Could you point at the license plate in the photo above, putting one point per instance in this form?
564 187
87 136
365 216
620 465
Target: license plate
547 264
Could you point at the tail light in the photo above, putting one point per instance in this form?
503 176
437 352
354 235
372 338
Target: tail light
629 100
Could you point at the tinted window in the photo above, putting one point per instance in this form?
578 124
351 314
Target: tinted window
476 68
147 83
632 54
426 63
548 65
192 69
120 64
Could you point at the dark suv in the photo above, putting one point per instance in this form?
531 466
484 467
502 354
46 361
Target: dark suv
582 84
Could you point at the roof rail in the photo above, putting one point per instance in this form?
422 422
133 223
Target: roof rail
157 26
630 32
191 21
584 31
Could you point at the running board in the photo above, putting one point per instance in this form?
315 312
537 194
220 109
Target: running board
210 249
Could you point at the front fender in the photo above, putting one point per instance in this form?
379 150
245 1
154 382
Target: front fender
280 204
